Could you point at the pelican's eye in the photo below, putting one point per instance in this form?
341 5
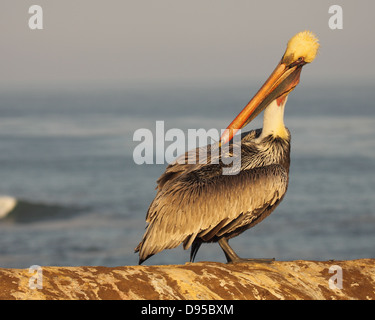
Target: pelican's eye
300 61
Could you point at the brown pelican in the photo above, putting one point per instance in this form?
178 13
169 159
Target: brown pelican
196 203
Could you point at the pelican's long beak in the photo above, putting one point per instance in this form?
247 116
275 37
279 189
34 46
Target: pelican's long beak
280 83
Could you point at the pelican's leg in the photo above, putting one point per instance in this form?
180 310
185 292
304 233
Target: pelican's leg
232 257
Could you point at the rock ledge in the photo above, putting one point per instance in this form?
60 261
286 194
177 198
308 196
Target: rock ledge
202 280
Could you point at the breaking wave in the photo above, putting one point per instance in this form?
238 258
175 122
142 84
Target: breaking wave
22 211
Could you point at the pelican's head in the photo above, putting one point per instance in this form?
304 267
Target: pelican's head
301 49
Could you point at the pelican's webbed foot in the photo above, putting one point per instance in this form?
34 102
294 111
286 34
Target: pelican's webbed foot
232 257
261 260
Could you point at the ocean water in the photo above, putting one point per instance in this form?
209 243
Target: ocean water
67 159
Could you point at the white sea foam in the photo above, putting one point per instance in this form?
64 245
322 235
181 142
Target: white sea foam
7 204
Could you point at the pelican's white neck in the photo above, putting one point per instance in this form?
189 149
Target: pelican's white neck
273 120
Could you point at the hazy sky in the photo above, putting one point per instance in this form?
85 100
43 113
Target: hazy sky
204 41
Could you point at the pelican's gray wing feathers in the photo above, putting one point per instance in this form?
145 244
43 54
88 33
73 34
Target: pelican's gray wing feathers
204 203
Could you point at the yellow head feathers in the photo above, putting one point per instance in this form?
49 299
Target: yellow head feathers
303 45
